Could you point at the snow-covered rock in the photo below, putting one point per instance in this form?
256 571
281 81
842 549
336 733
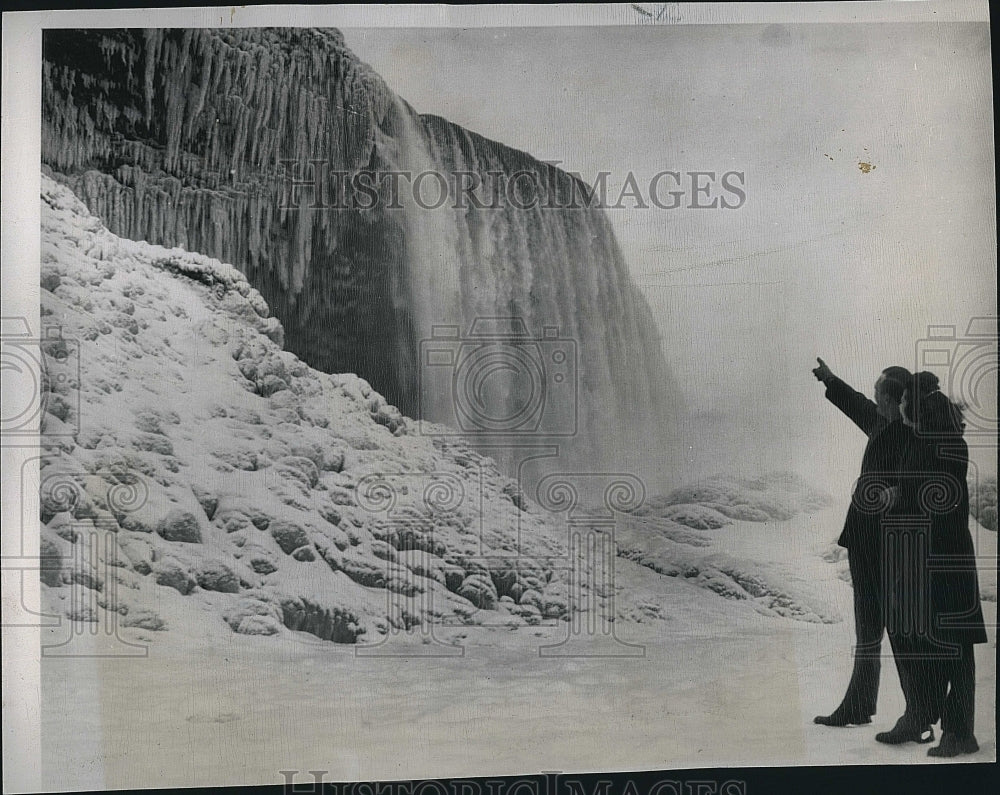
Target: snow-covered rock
712 502
185 450
725 562
983 500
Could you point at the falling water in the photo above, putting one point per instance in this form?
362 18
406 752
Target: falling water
517 324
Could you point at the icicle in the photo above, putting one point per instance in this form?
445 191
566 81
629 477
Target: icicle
191 159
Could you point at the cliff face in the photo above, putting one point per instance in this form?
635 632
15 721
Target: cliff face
191 138
176 138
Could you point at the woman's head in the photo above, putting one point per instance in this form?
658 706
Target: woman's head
925 407
889 391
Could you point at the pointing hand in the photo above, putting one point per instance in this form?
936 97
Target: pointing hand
822 373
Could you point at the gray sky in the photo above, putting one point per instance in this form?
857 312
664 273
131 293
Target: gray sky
822 259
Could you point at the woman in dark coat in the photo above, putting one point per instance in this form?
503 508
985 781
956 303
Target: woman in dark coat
934 614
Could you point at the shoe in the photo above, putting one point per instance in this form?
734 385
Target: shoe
953 745
842 717
906 732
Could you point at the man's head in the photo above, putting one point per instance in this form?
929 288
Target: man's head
889 390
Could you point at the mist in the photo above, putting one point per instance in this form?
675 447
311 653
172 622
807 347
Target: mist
867 155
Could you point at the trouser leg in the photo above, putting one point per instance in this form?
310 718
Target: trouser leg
869 627
921 677
958 714
904 667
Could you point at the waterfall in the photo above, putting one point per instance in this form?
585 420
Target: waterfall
432 286
514 320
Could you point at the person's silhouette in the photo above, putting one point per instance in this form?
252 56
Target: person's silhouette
887 439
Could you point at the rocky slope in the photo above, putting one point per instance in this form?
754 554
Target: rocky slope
185 450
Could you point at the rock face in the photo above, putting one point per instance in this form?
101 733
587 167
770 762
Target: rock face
192 138
169 473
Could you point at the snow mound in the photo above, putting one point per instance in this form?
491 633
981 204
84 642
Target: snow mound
773 587
188 457
700 517
715 501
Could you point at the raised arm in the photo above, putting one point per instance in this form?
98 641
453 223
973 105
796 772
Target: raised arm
860 409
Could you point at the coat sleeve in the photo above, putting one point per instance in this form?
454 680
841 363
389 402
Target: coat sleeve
954 463
860 409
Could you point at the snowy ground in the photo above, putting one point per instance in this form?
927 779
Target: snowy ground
250 550
717 686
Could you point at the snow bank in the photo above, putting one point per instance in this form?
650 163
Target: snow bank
788 583
715 501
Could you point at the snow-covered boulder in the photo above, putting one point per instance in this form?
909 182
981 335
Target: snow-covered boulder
712 502
186 453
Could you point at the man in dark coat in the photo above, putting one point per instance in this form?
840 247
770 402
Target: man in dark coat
887 441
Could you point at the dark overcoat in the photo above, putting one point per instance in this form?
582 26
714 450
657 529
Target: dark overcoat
887 442
932 563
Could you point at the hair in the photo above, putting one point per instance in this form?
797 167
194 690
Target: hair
929 409
896 381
